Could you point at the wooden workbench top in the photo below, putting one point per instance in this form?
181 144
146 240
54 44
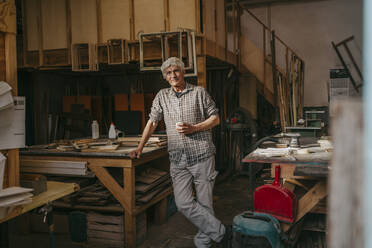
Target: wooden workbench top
55 190
120 153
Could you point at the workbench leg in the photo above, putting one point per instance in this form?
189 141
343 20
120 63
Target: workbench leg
130 230
161 212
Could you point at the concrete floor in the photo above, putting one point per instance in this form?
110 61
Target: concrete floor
230 197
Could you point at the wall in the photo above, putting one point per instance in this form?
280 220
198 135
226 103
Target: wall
309 28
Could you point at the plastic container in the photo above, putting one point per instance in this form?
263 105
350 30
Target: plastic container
95 130
112 132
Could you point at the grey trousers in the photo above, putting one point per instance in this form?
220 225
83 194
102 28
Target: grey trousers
199 209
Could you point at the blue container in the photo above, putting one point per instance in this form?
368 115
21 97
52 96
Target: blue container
256 230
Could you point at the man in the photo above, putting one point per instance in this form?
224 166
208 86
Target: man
189 114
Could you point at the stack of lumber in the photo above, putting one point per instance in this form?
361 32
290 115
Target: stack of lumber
13 196
70 168
93 195
108 230
151 182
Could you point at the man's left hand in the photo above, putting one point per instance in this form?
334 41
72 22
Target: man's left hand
186 128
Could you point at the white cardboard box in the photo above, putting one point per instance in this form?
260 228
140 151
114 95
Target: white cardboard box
12 135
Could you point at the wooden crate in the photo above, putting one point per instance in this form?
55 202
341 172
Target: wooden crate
105 230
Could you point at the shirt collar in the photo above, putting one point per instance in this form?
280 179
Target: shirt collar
188 88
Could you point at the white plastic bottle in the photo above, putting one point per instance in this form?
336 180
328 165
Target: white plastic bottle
112 132
95 130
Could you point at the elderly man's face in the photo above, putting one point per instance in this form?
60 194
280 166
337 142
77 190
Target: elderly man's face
174 76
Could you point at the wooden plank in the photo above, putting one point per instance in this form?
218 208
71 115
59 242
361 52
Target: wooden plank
132 20
2 57
95 217
202 74
149 16
55 171
309 201
160 215
40 33
52 163
210 26
166 15
13 167
130 230
103 234
181 13
11 61
116 19
53 18
99 20
31 19
55 190
68 29
287 171
346 216
8 17
83 21
113 186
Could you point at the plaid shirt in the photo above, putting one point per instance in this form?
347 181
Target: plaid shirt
193 106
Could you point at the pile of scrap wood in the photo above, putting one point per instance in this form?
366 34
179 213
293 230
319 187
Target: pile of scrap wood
93 195
102 145
13 196
151 182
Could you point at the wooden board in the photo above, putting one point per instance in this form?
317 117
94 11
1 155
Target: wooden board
148 16
220 29
55 190
84 21
182 14
210 22
32 12
2 57
53 13
115 19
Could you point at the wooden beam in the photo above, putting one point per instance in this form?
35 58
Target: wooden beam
166 15
68 30
309 201
99 21
130 198
40 34
131 20
113 186
197 16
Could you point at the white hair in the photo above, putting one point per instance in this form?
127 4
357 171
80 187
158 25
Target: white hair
172 61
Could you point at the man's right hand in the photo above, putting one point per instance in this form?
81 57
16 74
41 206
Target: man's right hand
136 153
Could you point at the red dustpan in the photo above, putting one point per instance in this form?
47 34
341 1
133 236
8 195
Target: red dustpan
276 200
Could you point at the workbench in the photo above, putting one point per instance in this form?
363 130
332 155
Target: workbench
55 190
312 166
97 163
